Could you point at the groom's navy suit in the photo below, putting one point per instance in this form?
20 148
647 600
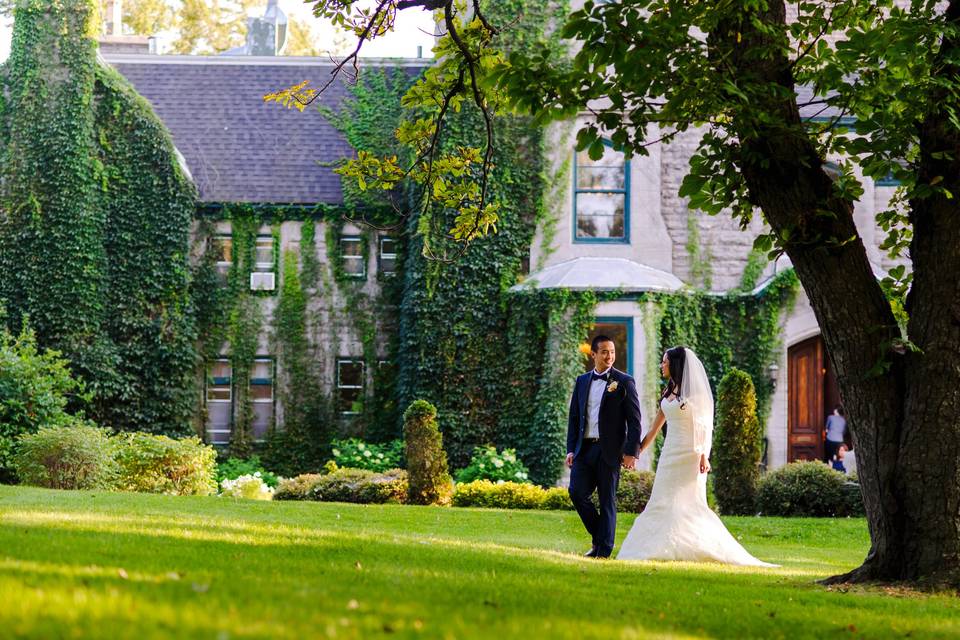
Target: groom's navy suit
596 464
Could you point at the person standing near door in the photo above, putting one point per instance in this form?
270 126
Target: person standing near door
835 430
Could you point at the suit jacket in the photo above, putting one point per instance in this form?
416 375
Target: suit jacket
619 421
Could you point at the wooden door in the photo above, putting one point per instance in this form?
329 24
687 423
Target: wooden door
806 377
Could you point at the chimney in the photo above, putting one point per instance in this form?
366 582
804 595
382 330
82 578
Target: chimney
113 18
113 40
267 35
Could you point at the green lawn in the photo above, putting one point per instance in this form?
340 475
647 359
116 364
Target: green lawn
92 564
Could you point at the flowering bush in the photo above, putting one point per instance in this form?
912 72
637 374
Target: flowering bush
487 464
232 468
250 486
357 454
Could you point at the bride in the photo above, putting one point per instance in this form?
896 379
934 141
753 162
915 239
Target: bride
677 524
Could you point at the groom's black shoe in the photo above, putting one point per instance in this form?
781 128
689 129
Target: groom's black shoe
591 554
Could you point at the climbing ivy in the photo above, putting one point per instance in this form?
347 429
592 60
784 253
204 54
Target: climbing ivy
467 343
732 330
95 222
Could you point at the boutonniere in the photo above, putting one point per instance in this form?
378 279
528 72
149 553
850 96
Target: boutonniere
612 387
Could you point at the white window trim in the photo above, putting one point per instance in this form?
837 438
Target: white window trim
224 264
392 256
264 267
272 388
359 258
229 387
341 361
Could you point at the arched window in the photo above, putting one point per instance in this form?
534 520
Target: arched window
601 197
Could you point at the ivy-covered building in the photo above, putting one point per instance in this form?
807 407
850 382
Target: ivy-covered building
270 208
240 289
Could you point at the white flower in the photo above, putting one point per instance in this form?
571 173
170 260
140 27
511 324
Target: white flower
497 463
336 452
247 486
367 454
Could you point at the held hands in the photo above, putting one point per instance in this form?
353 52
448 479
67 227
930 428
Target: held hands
628 462
704 464
569 460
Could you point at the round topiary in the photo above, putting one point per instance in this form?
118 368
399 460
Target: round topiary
805 489
429 481
737 445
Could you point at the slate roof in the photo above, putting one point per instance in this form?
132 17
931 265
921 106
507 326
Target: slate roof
238 148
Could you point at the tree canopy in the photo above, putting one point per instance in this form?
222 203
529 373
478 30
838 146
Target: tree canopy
883 78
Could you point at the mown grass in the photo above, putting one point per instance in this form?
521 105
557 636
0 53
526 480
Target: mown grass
91 564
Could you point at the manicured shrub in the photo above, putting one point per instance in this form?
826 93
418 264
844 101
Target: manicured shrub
158 464
487 464
34 389
429 481
76 456
737 445
357 454
297 488
853 499
633 491
498 495
806 489
250 486
360 486
232 468
556 498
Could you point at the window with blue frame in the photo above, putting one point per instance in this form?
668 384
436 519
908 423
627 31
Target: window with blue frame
601 198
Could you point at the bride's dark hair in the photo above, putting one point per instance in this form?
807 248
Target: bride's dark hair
676 358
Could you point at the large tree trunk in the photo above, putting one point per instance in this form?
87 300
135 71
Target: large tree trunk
905 418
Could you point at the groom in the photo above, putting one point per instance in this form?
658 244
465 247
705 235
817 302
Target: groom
603 434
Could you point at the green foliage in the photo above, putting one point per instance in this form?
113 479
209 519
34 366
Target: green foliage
730 330
807 489
357 454
308 422
502 495
737 445
497 364
361 486
487 464
633 491
157 464
97 214
297 488
556 499
75 455
35 387
426 460
232 468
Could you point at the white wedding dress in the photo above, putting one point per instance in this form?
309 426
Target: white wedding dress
677 524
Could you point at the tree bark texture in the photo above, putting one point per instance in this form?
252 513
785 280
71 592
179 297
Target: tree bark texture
904 421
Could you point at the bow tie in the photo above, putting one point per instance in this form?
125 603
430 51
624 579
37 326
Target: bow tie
597 376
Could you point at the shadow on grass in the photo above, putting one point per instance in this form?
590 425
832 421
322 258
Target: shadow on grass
299 571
